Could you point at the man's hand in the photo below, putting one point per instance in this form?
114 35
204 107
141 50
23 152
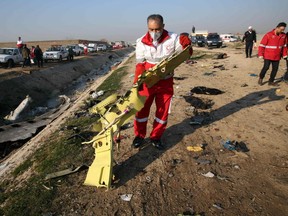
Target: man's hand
260 57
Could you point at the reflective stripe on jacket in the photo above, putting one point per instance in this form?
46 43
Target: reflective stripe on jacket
273 46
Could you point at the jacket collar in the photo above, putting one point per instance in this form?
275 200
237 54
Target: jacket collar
147 39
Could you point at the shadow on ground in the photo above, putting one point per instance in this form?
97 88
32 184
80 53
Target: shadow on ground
137 163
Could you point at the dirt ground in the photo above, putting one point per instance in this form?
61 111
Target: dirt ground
171 181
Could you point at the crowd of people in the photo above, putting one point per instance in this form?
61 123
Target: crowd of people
35 55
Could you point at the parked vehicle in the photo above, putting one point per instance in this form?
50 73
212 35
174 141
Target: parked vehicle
200 40
76 48
10 56
228 38
119 45
55 52
101 47
92 47
213 39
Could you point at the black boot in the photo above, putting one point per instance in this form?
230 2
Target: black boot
157 144
137 142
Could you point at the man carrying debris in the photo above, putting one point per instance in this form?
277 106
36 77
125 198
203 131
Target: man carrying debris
151 48
250 38
272 47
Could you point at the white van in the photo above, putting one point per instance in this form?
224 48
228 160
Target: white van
228 38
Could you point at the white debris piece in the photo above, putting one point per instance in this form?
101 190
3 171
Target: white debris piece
95 95
209 175
126 197
15 114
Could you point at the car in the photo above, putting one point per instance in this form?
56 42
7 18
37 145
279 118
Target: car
76 48
228 38
101 47
119 45
55 52
213 39
92 47
200 40
10 56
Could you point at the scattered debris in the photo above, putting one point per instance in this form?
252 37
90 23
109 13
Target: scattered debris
14 115
176 161
148 179
95 94
209 73
235 145
126 197
244 85
199 103
65 172
194 148
3 165
26 129
237 167
190 62
132 75
228 145
203 161
220 56
126 126
253 75
209 175
222 178
221 67
218 206
47 188
205 90
191 213
235 66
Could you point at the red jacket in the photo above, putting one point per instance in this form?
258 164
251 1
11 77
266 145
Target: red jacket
273 46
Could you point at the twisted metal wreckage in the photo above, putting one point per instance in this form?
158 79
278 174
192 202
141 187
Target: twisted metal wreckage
115 112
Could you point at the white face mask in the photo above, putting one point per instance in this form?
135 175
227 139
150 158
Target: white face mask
155 35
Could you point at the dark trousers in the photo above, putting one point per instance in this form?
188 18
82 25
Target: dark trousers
27 62
70 57
39 61
248 49
275 66
285 77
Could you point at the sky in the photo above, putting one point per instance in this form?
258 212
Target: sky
36 20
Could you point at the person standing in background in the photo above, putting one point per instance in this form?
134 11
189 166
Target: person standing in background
285 77
272 47
20 44
250 38
26 56
39 56
32 55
